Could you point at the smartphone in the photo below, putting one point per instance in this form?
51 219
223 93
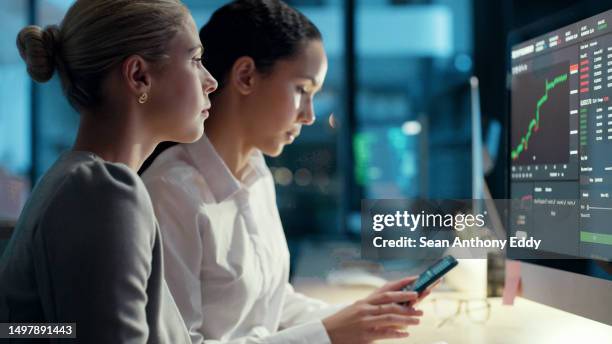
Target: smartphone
432 274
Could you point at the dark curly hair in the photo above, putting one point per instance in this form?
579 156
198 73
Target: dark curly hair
265 30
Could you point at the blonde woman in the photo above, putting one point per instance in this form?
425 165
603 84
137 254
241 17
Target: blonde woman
226 254
87 246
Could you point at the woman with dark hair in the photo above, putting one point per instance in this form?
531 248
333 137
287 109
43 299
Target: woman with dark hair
87 248
225 250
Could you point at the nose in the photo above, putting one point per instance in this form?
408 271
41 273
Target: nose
209 84
307 115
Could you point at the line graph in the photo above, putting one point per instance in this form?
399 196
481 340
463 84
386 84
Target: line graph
535 122
540 102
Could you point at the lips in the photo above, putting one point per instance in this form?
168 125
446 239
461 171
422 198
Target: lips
205 111
294 132
292 135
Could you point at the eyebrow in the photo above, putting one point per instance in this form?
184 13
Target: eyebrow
196 48
312 80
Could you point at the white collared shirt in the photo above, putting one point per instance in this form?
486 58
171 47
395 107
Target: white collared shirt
225 252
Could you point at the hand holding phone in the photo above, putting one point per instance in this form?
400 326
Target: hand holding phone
432 274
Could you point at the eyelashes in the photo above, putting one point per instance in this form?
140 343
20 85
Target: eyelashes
198 60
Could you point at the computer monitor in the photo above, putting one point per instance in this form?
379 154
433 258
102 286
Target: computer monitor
560 148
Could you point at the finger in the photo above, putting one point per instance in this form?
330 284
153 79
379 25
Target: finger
390 320
394 308
398 284
414 303
435 284
386 333
422 296
425 293
392 296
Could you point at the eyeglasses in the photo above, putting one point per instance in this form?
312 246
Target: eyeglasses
447 309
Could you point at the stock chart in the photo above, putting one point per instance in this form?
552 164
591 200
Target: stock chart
561 138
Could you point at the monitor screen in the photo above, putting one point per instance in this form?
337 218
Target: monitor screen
561 138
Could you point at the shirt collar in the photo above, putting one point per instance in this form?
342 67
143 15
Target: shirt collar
218 176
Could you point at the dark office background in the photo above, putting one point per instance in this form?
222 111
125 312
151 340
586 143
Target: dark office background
397 87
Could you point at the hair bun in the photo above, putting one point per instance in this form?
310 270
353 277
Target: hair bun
37 48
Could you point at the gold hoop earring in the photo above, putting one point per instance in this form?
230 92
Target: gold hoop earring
143 98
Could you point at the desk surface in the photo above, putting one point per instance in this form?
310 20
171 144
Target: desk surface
525 322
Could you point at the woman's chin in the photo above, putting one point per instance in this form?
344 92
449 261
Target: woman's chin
192 135
274 150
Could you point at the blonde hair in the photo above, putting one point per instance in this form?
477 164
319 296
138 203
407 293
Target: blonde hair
94 37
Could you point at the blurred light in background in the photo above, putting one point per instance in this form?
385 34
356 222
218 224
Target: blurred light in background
15 102
463 63
303 177
417 30
283 176
411 128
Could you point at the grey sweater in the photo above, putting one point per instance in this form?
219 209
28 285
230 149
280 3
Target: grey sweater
87 249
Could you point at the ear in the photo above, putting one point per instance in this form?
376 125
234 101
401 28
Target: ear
136 72
243 75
